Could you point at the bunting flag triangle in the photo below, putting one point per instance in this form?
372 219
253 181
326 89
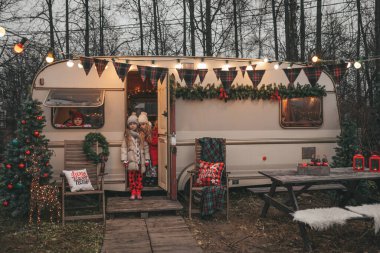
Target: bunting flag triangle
121 69
100 66
144 72
292 74
189 75
180 74
202 73
255 76
87 64
243 68
313 74
337 71
164 72
155 75
227 77
217 72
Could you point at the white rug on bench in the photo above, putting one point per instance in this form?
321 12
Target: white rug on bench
370 211
323 218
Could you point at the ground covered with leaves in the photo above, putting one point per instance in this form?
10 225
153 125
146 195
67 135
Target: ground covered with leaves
15 236
247 232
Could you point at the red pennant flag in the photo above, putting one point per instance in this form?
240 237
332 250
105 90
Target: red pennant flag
144 72
313 74
87 64
189 75
155 75
337 71
164 72
121 69
217 72
243 68
100 66
255 76
227 77
202 73
292 74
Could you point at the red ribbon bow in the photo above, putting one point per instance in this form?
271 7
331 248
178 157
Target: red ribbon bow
275 96
223 94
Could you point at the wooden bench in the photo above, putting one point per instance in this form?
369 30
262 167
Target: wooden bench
262 190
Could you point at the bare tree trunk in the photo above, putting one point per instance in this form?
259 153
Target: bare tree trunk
203 27
240 29
358 84
51 24
155 26
377 41
302 30
184 27
87 30
318 46
101 25
192 26
274 17
208 29
236 29
141 28
287 30
160 36
293 38
67 36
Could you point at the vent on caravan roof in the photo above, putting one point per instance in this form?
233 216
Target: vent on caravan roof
75 98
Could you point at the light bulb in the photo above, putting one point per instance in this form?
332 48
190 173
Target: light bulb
2 31
178 65
202 65
225 67
315 59
249 67
80 65
349 65
357 65
266 59
276 66
70 63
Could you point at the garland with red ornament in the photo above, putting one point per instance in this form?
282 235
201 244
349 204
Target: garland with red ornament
28 145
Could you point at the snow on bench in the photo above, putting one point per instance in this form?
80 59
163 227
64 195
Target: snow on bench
262 190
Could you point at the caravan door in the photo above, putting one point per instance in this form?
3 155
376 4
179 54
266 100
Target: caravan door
162 93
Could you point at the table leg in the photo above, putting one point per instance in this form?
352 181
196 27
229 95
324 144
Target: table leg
292 197
267 202
351 187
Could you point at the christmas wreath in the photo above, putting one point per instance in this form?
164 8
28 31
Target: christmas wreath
88 144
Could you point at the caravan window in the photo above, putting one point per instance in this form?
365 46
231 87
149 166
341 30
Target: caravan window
76 108
301 112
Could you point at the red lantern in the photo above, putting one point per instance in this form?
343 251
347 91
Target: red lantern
358 162
374 163
8 166
10 186
36 133
21 165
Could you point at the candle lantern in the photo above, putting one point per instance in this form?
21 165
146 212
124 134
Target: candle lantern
358 162
374 163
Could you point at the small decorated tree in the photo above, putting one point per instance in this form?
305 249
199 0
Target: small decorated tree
28 146
348 143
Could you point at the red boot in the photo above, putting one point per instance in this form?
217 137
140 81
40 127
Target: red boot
133 196
139 197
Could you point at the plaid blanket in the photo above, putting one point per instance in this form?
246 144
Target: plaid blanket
212 149
212 199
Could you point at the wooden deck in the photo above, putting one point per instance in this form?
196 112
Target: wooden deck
168 234
148 204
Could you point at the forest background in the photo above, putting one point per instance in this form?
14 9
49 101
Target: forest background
282 30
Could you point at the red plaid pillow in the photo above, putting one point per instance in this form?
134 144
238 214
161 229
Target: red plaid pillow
209 173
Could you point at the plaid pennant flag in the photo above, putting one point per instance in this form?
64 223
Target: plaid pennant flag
100 66
243 68
227 77
255 76
87 64
180 74
164 72
155 75
189 75
144 72
337 71
292 74
313 74
217 72
121 69
202 73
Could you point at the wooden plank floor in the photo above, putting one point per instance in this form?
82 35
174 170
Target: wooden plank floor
168 234
148 204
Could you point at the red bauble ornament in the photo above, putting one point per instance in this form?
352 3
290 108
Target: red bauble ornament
21 165
23 122
10 186
39 117
47 164
27 152
36 133
46 174
8 166
5 203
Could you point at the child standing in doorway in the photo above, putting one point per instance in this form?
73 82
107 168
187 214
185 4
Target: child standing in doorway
135 156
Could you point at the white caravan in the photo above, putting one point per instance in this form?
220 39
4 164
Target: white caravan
260 134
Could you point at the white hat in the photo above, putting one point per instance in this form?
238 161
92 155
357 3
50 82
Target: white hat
132 119
143 118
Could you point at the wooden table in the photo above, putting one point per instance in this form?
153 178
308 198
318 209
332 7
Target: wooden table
289 179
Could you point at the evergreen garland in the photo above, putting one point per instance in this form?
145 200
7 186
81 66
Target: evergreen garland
242 92
88 144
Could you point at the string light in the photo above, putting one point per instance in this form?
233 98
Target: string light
266 59
153 63
2 31
315 59
276 66
50 56
70 63
226 66
202 64
19 47
80 65
249 67
349 65
178 65
357 65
